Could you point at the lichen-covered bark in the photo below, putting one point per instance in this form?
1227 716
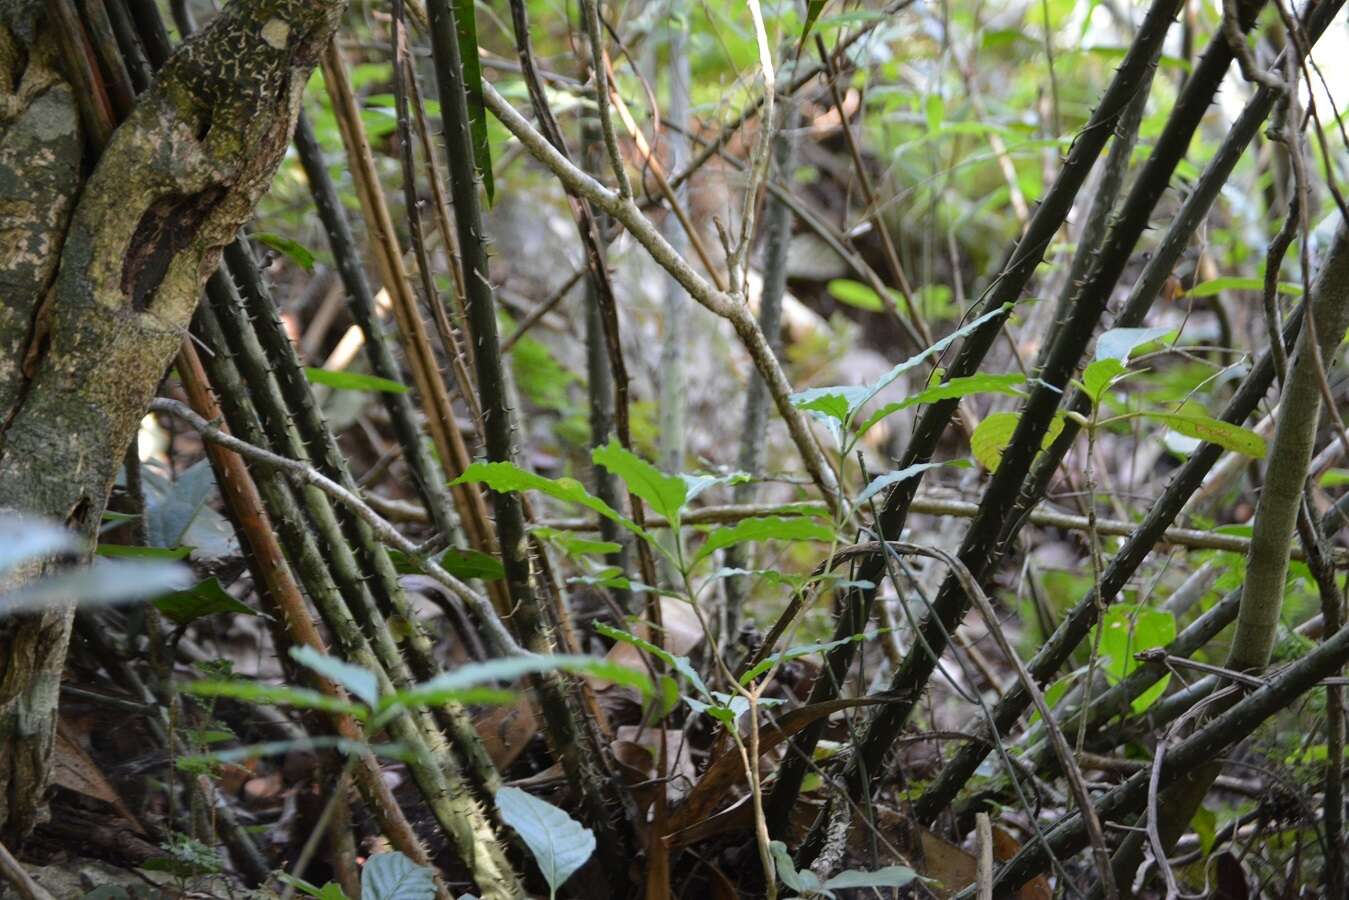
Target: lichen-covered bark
103 294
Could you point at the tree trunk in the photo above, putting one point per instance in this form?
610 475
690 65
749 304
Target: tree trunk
99 277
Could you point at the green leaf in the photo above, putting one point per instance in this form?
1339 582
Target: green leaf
504 477
466 682
889 479
995 432
680 664
803 882
813 10
128 551
1128 631
1232 283
173 506
469 564
1118 343
665 494
855 294
1214 431
574 545
330 891
841 403
764 528
890 876
797 652
696 484
559 843
1097 378
1205 825
207 598
253 692
464 20
934 111
950 390
361 682
352 381
297 252
392 876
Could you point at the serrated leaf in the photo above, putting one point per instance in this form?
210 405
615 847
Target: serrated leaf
253 692
392 876
665 494
208 598
855 294
950 390
467 31
995 432
559 843
361 682
574 545
764 528
1214 431
505 477
680 664
1118 343
352 381
841 403
297 252
889 479
696 484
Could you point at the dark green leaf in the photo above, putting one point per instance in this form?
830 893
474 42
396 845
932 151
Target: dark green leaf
663 493
207 598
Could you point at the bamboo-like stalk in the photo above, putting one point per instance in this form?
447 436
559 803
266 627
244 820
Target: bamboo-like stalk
434 771
570 738
454 456
428 479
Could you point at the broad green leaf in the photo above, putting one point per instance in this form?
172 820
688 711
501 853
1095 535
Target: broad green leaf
1097 377
469 564
573 544
330 891
797 652
466 682
890 876
298 253
766 528
1118 343
841 403
29 537
1232 283
1214 431
559 843
392 876
108 582
504 477
665 494
995 432
803 882
129 551
856 294
361 682
1127 631
696 484
889 479
934 111
253 692
207 598
950 390
1205 825
466 26
173 505
680 664
352 381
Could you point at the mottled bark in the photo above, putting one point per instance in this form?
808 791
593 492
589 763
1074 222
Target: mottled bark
96 299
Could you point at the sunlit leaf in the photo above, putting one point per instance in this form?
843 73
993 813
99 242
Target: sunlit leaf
297 252
665 494
765 528
352 381
1214 431
995 432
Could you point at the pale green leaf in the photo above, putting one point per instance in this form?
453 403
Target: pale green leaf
765 528
361 682
392 876
665 494
352 381
559 843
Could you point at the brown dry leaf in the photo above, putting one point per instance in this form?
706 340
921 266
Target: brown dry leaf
1004 848
638 751
506 731
74 770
